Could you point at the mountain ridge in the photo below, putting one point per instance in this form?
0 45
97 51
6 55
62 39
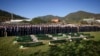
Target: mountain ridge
74 16
6 16
79 15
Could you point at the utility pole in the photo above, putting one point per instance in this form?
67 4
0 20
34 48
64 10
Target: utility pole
11 16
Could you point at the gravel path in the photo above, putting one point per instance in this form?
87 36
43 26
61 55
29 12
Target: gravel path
34 38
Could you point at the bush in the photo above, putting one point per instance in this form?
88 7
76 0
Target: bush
26 38
31 44
58 41
43 37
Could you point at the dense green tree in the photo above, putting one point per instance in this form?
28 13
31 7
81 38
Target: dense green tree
37 21
83 48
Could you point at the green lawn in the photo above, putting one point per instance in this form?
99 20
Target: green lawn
7 48
95 34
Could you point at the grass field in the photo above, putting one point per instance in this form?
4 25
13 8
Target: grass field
95 34
7 48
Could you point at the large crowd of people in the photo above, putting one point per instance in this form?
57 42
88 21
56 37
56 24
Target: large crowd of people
27 29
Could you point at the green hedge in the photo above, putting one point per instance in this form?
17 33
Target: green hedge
31 44
90 37
43 37
26 38
58 41
56 35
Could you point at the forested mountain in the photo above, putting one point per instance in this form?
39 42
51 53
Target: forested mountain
72 17
44 19
49 17
79 15
5 16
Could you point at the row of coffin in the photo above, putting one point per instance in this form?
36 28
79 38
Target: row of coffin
27 30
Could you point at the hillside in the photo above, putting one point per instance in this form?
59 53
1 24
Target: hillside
49 17
79 15
45 19
5 16
72 17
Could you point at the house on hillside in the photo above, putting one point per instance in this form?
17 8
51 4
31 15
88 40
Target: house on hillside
97 21
89 20
55 20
